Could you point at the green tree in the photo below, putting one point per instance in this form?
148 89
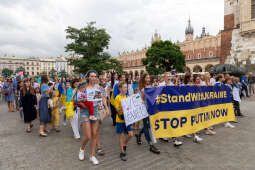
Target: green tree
164 56
115 66
53 72
63 73
20 69
7 72
90 43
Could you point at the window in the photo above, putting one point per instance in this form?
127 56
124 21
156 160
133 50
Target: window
37 68
198 55
32 68
204 49
37 73
252 9
27 63
210 53
27 73
189 57
32 73
27 68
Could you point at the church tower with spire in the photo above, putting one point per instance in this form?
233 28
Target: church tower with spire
189 32
155 38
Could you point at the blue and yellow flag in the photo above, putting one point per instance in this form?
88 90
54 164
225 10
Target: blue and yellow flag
180 110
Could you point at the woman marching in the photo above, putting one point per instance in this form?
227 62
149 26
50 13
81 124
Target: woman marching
9 91
145 82
89 126
28 104
188 81
44 110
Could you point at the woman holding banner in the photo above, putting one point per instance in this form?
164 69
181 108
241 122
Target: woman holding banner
198 82
190 80
145 82
219 82
168 82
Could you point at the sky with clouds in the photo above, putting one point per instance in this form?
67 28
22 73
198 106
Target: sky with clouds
37 27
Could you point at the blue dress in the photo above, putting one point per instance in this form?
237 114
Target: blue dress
44 111
11 90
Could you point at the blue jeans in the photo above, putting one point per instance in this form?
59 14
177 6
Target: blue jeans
145 129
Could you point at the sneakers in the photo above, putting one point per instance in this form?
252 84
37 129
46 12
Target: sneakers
229 125
94 160
197 139
81 155
210 132
123 156
177 143
77 137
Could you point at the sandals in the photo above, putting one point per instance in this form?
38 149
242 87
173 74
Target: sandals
100 152
28 130
58 130
46 131
43 135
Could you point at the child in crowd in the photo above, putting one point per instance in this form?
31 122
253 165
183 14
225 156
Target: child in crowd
69 101
53 103
84 103
120 122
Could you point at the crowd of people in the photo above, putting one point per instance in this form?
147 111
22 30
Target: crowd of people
86 101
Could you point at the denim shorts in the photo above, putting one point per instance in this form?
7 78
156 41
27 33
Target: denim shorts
84 115
121 128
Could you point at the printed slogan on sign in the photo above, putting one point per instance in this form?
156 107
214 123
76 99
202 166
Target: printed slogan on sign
177 111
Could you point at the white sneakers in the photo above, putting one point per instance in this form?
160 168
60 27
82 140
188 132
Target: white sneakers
81 155
197 139
229 125
177 143
92 159
210 132
77 137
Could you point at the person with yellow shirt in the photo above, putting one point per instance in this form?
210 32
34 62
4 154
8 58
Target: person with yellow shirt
120 122
54 111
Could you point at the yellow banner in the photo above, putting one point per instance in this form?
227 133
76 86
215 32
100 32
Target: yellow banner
183 122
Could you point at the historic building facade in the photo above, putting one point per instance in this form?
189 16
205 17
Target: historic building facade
202 52
132 61
238 36
35 66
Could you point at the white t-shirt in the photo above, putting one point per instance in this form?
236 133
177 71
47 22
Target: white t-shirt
236 94
212 81
162 84
36 85
91 95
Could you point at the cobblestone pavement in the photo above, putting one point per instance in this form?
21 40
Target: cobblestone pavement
228 149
